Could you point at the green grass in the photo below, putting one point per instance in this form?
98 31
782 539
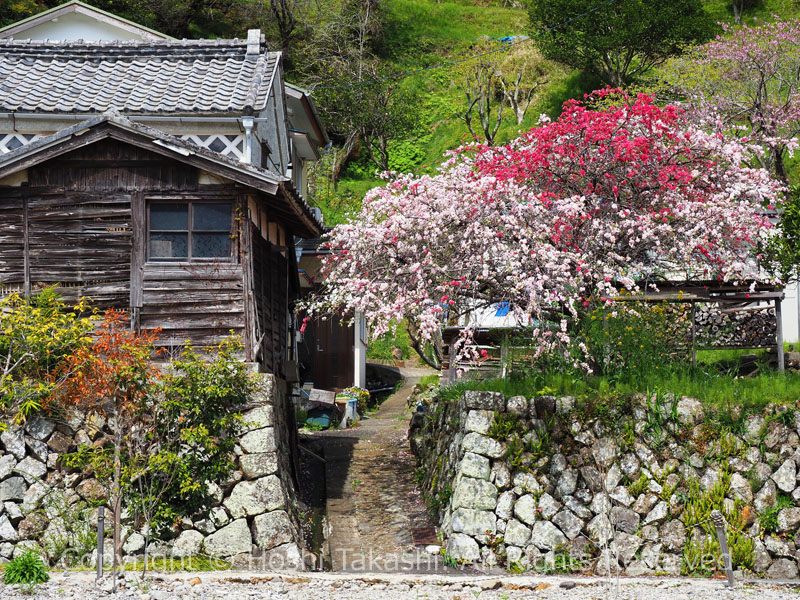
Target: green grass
428 381
421 32
189 564
763 10
713 389
381 348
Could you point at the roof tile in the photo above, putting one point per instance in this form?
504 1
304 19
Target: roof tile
154 76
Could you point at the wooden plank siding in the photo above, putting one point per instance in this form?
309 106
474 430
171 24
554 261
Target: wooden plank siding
111 165
12 243
81 224
201 303
81 242
271 294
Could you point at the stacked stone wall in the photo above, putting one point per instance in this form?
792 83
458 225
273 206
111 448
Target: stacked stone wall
254 519
621 493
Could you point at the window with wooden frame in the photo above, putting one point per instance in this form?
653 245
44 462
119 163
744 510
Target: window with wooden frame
192 230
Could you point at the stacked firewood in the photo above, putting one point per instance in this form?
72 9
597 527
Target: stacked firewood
751 326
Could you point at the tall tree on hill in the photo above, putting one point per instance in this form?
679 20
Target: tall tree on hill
363 106
621 39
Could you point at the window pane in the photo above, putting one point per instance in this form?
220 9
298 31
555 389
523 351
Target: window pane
211 245
212 217
169 245
169 217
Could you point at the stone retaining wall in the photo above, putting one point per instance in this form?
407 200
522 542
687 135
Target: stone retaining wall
612 494
254 518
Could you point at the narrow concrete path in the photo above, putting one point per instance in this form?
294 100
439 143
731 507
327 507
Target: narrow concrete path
377 519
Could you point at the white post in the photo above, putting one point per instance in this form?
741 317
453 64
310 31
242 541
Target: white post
360 351
779 320
247 155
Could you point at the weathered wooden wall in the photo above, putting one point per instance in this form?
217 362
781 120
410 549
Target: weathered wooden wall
81 224
203 303
271 294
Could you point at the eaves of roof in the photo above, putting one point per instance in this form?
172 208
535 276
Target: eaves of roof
83 8
116 126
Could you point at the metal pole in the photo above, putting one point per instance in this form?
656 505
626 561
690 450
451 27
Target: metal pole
719 524
100 531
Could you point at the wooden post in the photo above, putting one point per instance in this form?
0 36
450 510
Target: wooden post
693 334
779 341
719 525
138 243
26 286
504 354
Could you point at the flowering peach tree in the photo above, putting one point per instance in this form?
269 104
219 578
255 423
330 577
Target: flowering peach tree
559 219
750 78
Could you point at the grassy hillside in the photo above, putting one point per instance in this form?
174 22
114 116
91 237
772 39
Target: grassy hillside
422 33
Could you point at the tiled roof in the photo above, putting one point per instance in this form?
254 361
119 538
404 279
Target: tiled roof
161 76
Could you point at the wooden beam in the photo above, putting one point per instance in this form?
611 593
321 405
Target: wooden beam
139 235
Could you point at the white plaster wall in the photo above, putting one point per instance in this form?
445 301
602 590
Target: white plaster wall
789 314
75 26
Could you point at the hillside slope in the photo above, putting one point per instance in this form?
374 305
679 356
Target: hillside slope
419 34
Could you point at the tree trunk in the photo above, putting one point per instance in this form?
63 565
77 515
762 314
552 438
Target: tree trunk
738 9
116 498
432 359
780 166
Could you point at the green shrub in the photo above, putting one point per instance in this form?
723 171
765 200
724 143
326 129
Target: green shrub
26 569
37 334
381 347
503 426
769 518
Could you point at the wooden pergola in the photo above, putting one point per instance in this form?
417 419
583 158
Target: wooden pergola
728 307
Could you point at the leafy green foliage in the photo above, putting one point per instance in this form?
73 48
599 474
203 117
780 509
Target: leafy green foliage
181 434
782 254
67 531
638 336
638 487
383 346
768 519
36 337
504 426
702 556
179 18
197 421
621 41
26 569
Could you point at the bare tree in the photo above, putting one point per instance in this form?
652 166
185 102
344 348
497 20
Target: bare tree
523 72
502 75
481 85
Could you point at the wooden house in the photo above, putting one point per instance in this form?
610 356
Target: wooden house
160 176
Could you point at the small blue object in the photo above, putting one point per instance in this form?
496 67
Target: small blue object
508 38
503 308
320 417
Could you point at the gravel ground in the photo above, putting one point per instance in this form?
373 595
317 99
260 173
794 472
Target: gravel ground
208 586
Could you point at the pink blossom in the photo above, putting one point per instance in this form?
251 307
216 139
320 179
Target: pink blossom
555 220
